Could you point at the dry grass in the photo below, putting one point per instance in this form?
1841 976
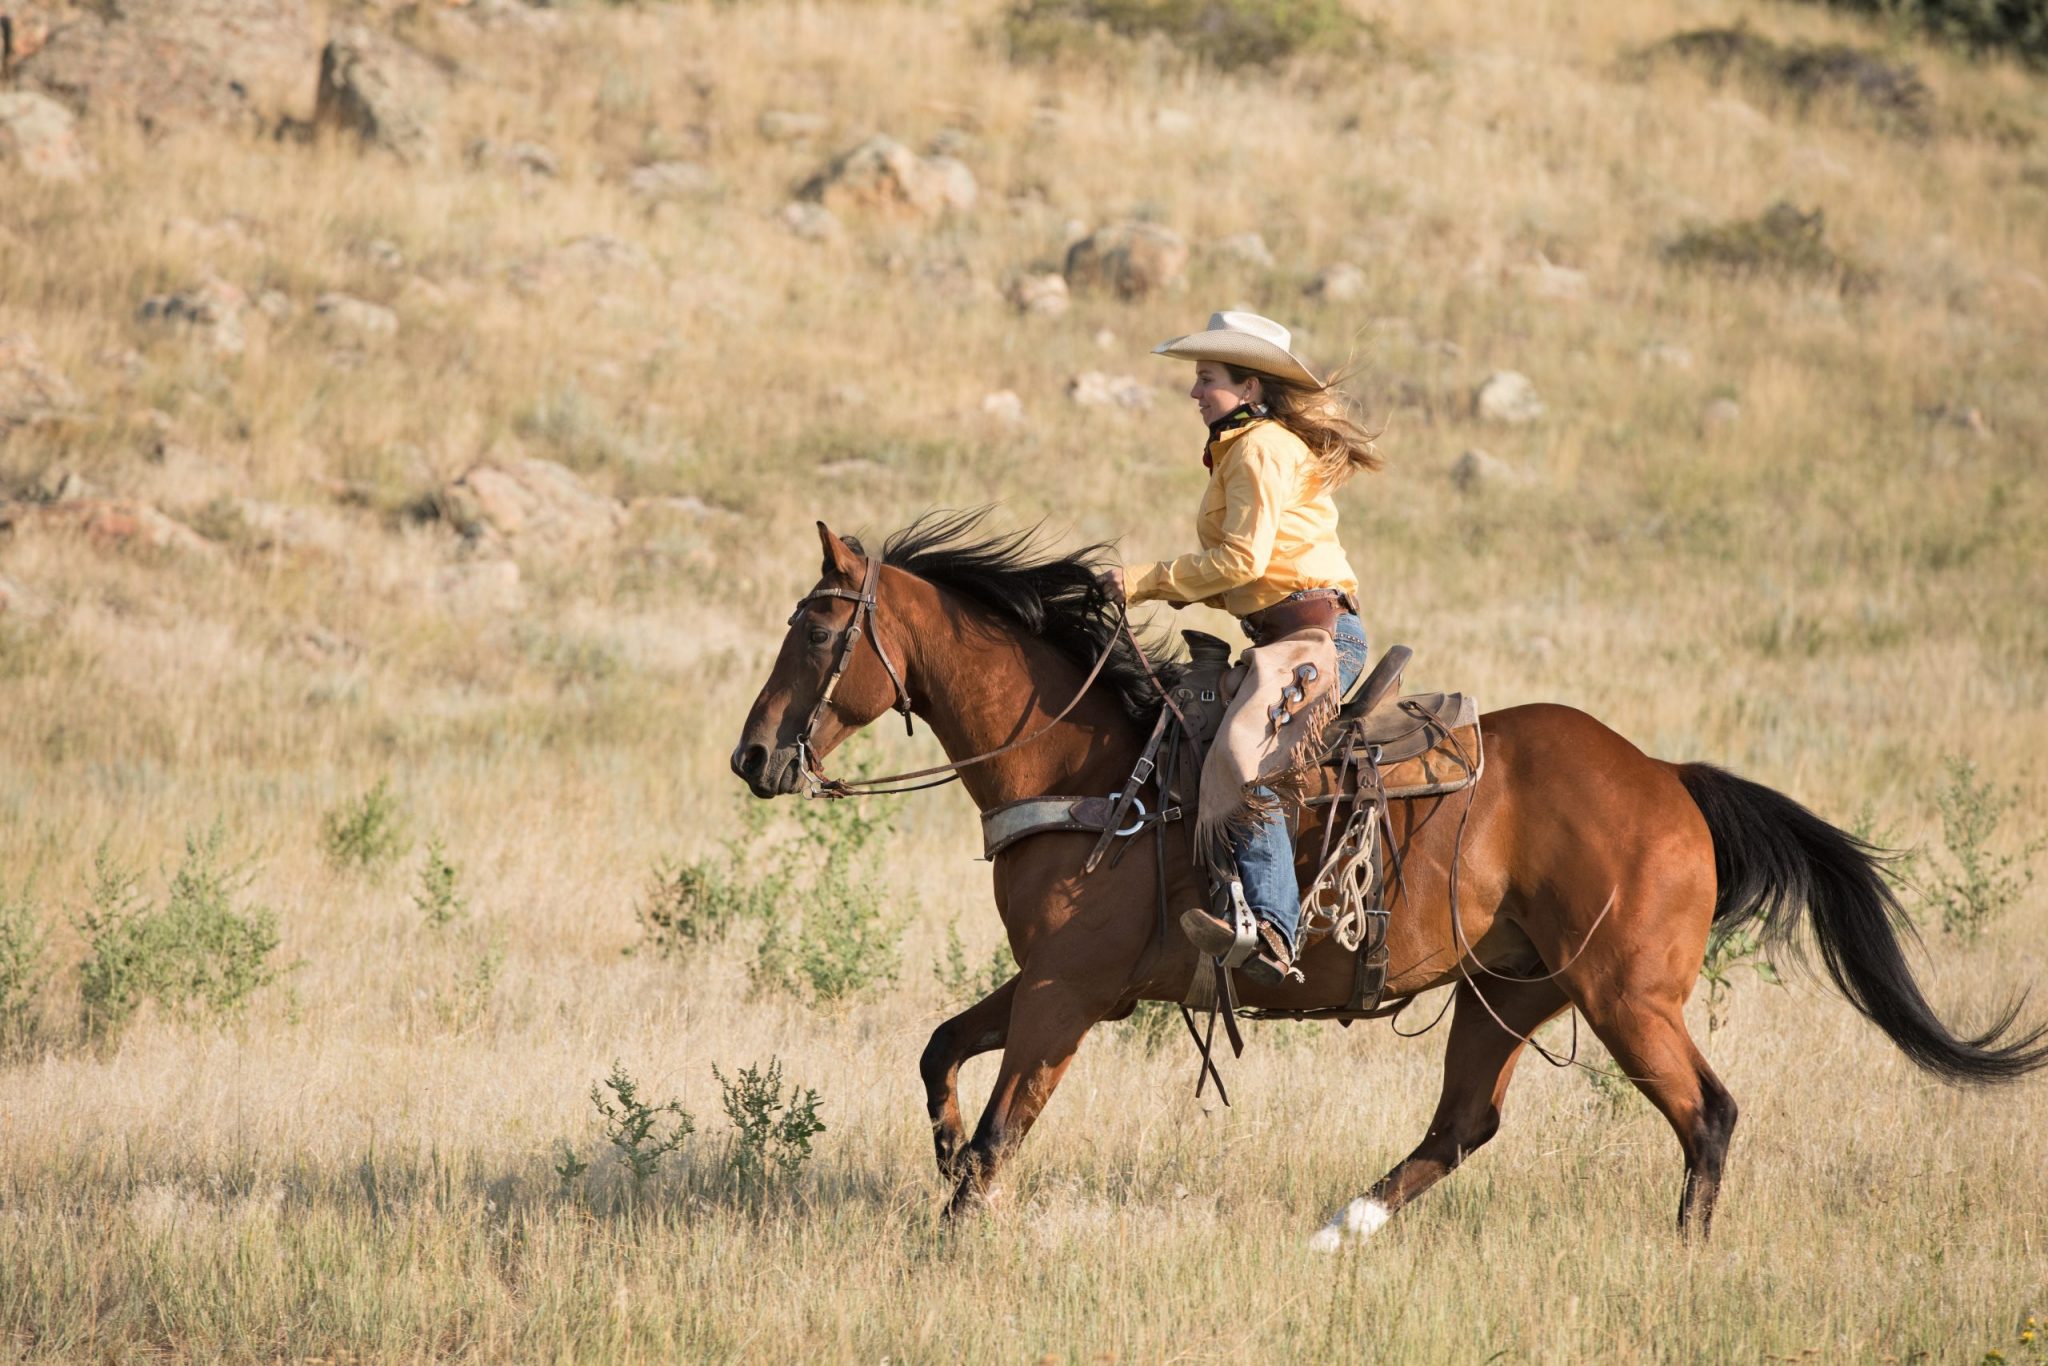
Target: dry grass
1829 595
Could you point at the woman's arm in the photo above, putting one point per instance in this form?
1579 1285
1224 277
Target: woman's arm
1257 477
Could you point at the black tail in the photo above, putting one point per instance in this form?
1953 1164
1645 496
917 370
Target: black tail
1773 857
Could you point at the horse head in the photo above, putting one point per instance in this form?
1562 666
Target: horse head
834 673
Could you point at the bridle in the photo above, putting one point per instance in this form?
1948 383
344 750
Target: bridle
862 623
849 640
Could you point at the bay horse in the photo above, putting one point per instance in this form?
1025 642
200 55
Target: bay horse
1590 874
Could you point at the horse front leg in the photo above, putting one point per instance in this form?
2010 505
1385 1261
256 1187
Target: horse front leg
1047 1021
974 1031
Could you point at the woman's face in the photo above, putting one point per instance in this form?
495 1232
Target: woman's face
1216 393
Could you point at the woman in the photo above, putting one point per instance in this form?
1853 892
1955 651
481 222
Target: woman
1280 441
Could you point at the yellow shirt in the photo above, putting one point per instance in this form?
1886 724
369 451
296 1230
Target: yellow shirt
1267 528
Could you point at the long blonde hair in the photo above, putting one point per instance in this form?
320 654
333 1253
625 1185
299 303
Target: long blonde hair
1329 421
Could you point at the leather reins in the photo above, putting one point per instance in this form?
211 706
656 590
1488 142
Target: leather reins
864 610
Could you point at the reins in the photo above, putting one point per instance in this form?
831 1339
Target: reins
865 604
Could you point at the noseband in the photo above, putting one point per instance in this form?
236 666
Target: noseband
862 623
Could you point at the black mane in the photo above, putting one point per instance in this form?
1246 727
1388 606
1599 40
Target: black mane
1016 579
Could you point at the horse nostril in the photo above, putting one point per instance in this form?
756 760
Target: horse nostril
749 761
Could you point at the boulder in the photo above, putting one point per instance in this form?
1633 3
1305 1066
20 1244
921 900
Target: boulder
785 125
210 312
1244 249
114 523
1133 259
1094 389
1045 295
1342 283
29 390
1507 396
530 503
176 61
882 178
1003 406
39 136
347 318
1719 414
383 91
523 158
1476 469
1543 280
811 222
673 181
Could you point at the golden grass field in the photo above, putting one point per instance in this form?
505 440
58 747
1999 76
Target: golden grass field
1832 593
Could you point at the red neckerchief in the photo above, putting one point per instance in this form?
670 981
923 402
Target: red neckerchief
1242 415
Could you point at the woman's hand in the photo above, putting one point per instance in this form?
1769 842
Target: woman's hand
1112 581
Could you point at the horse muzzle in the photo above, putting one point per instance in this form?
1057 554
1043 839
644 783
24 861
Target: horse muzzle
768 773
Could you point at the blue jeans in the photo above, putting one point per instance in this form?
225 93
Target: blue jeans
1265 854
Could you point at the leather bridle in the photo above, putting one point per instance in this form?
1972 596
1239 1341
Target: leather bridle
863 624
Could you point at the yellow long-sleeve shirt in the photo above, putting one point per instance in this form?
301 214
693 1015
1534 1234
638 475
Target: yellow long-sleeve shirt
1267 527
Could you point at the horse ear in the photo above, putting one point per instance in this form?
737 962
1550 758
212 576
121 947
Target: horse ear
839 557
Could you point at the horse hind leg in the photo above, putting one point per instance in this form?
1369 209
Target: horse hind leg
1654 1049
981 1028
1479 1061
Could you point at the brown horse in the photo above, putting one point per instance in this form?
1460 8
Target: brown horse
1590 874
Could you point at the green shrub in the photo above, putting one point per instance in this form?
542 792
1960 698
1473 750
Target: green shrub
23 972
1803 73
1971 885
438 896
634 1128
696 901
768 1127
1781 242
1224 33
843 944
965 982
1727 952
2016 26
365 833
197 954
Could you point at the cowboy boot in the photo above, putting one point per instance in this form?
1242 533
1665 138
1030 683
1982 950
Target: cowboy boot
1213 931
1271 964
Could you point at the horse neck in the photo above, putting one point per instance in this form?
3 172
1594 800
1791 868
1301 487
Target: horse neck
980 685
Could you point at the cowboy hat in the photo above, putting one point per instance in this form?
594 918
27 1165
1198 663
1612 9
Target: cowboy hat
1246 341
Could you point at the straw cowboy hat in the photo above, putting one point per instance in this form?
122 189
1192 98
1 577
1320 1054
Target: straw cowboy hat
1246 341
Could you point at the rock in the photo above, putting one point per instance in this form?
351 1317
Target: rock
811 222
784 125
1965 417
115 523
1134 259
276 305
62 484
1664 356
348 318
383 91
1094 389
1004 406
1244 249
18 601
1719 414
479 586
1105 340
1507 396
1342 283
531 503
29 390
1547 281
1477 469
587 259
1045 295
525 158
210 311
176 61
883 178
39 136
1174 122
671 181
384 254
952 142
285 527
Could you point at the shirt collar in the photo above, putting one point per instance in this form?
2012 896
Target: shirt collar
1229 428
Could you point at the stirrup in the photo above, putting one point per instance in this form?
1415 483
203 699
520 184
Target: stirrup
1244 923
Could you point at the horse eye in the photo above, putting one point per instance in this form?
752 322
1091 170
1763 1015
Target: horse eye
819 635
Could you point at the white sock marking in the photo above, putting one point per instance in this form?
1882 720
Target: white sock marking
1356 1222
